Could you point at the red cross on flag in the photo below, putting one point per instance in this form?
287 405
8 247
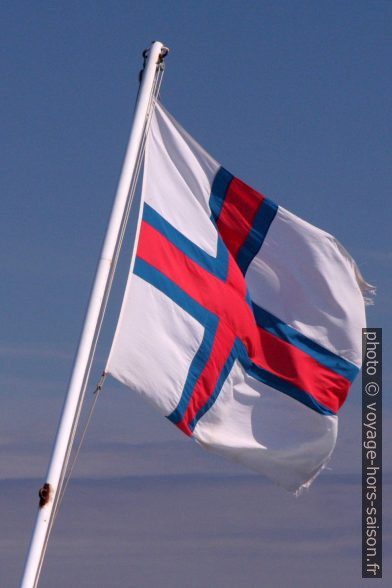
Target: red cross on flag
241 322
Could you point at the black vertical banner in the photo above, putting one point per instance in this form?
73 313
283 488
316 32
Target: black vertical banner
372 453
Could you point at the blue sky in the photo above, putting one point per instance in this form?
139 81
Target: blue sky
294 98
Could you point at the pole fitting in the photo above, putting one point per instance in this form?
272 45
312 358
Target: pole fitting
163 53
160 62
44 494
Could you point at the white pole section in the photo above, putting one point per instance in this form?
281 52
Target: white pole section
49 492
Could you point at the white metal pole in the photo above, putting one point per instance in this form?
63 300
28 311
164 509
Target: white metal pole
83 358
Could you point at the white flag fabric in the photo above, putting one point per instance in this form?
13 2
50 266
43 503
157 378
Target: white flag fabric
240 322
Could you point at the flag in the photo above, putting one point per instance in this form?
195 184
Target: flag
240 322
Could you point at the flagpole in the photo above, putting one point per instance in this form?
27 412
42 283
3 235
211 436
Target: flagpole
49 493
